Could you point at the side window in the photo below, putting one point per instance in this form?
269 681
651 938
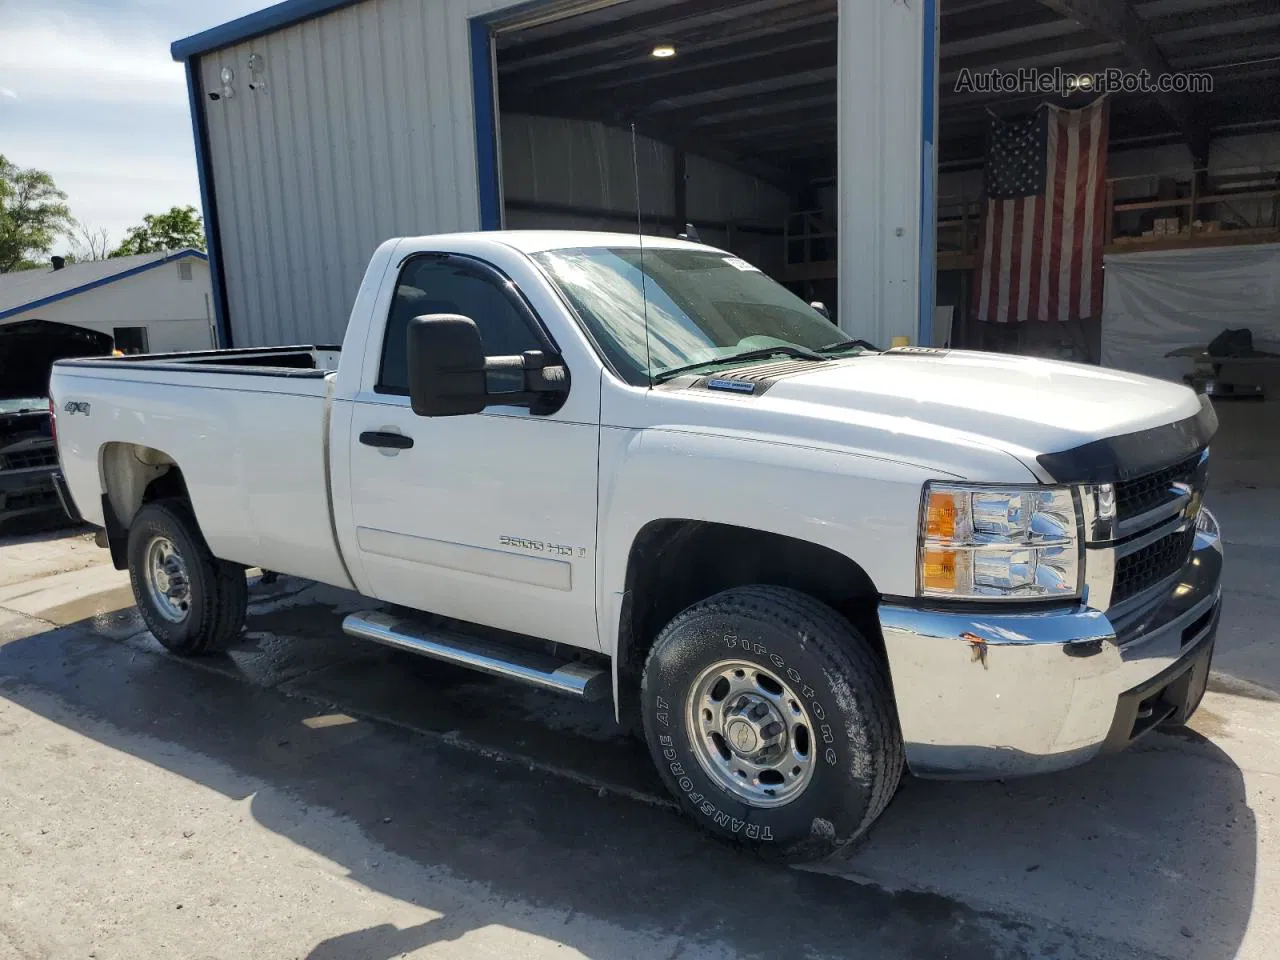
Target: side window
429 286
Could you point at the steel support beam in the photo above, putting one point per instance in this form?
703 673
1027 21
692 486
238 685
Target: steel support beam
887 168
1116 20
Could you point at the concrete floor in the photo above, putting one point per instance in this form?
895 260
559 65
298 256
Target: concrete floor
310 796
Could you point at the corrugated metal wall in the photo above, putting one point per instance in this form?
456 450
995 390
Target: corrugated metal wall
561 163
553 161
363 130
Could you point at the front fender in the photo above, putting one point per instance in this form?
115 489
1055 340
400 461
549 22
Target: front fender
864 508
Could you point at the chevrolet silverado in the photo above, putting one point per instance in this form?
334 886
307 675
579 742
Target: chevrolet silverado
641 470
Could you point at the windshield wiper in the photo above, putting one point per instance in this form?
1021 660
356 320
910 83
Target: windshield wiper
764 353
841 345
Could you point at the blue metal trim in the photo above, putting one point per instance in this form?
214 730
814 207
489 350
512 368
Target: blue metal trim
212 236
252 25
486 125
131 272
929 173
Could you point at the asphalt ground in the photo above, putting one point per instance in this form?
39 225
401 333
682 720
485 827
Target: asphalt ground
307 795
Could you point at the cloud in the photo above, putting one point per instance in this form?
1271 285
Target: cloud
60 58
103 107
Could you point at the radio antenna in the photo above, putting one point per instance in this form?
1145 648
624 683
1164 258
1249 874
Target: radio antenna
644 278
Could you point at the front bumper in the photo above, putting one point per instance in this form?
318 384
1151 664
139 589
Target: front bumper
27 491
993 695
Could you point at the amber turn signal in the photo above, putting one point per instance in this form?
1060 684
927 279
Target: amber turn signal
938 570
940 519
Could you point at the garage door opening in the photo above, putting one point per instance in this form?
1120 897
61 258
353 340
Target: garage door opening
733 106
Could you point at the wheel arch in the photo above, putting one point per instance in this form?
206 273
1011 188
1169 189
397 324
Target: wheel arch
674 563
134 475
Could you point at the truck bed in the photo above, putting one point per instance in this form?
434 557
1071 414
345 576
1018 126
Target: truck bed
295 361
248 429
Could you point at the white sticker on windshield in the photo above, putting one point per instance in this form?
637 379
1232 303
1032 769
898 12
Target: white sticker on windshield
742 265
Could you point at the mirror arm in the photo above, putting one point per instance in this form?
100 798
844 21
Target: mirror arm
532 373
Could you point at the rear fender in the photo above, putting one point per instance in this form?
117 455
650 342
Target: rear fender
127 471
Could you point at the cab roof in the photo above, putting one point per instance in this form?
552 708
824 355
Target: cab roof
539 241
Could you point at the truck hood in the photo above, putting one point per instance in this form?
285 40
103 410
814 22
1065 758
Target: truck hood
29 348
1064 418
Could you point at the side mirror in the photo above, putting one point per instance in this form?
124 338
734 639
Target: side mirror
446 366
821 308
450 376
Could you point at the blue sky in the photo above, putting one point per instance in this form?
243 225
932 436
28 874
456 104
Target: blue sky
89 93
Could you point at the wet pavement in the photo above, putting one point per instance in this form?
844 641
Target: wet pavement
346 800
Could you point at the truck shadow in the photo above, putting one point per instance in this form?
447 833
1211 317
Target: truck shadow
1156 846
1153 848
41 528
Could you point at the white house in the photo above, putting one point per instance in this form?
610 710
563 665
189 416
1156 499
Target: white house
149 303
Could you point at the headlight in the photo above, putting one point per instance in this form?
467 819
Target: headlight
994 543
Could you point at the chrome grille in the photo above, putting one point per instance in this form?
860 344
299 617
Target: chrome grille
1144 568
1136 497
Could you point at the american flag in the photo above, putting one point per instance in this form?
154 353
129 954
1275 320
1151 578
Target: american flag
1042 228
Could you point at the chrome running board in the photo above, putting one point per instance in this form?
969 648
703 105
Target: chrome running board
539 670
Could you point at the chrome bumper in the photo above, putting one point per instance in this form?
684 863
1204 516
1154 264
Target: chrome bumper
993 695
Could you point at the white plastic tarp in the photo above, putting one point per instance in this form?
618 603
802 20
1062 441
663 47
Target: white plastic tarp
1161 301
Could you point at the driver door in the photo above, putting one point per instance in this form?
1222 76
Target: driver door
488 518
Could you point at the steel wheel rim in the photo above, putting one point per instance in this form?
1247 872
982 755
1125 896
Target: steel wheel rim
165 574
732 711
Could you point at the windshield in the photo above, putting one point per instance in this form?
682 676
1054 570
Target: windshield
703 306
25 405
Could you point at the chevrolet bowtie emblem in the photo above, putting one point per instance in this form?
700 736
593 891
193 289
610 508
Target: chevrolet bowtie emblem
1194 502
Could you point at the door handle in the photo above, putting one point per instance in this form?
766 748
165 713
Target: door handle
386 441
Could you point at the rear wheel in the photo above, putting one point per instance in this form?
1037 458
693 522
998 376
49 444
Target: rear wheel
772 722
191 601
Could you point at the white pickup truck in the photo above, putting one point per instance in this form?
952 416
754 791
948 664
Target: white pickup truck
797 562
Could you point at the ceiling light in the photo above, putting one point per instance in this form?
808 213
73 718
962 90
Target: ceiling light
663 51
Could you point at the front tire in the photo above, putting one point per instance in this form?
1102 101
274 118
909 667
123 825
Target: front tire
191 601
772 722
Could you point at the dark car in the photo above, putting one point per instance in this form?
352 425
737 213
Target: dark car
28 457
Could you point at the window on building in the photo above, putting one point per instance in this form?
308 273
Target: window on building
430 286
184 271
130 339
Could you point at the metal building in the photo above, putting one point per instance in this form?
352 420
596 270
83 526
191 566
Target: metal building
323 127
146 303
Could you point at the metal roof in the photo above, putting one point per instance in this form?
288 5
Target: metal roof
26 290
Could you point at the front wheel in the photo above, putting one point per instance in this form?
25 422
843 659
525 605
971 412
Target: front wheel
191 601
772 722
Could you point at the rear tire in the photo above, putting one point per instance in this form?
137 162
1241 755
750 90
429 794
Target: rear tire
772 722
192 602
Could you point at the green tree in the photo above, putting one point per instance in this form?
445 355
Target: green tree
176 229
33 213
